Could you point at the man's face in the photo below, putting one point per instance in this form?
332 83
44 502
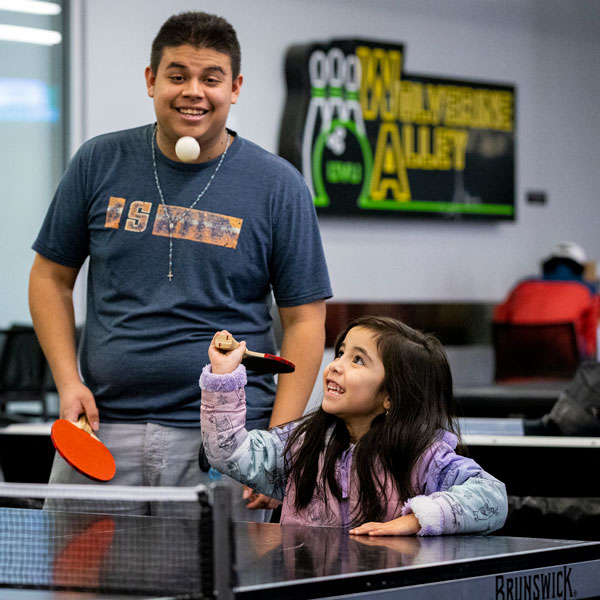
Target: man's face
192 90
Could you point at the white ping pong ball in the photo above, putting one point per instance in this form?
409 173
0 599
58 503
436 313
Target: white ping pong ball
187 149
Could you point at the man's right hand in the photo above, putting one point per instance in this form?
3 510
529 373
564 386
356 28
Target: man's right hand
77 399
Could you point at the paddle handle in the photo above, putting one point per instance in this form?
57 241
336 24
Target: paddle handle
84 424
227 342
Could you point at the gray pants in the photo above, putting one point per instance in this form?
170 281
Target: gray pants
147 454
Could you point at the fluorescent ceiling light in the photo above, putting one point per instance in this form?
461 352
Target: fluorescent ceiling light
30 35
31 6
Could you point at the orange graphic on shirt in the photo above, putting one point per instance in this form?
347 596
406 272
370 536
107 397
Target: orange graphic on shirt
198 226
188 224
114 212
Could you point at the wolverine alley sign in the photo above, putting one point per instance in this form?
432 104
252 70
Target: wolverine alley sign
372 139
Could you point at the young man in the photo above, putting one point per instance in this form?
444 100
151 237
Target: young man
177 251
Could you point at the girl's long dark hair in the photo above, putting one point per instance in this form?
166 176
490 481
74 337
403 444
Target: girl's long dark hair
418 382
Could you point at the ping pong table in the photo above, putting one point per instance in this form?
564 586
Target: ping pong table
52 554
527 399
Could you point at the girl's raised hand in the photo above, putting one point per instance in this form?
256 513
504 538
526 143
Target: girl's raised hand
222 361
406 525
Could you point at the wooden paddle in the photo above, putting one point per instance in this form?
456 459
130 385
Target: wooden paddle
256 361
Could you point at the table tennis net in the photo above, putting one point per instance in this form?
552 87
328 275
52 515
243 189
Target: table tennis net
108 539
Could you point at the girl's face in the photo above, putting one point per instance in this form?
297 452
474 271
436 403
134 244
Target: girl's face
352 382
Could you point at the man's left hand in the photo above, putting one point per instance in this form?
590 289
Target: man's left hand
257 501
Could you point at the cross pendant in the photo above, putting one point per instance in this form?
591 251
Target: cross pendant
170 275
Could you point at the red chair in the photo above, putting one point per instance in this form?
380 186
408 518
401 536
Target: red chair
535 351
544 329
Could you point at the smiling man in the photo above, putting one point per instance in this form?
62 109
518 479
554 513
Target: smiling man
193 89
177 250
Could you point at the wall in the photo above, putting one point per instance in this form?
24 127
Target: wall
31 152
548 48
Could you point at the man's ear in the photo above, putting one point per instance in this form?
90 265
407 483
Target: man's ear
150 81
236 88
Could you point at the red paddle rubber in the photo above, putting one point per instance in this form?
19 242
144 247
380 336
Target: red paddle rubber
256 361
267 363
82 449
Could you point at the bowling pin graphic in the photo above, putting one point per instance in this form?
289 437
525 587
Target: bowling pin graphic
317 107
352 85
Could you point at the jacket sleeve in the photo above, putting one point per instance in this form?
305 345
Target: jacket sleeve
254 458
458 496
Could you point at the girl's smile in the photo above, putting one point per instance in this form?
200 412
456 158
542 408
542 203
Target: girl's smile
334 388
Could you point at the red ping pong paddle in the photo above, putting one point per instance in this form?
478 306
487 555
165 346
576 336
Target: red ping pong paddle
256 361
78 445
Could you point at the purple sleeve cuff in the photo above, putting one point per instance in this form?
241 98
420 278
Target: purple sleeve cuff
428 512
229 382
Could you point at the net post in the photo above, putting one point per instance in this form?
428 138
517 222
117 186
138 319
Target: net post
223 542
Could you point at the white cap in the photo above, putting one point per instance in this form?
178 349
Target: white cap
569 250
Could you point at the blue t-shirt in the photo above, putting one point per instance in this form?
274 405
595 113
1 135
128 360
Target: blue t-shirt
562 272
253 235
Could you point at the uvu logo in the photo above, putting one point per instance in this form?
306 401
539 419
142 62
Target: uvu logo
335 149
555 583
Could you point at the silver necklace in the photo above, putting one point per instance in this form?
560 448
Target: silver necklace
173 222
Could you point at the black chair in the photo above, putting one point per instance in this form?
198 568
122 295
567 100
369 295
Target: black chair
24 372
524 351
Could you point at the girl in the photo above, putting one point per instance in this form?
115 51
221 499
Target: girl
381 447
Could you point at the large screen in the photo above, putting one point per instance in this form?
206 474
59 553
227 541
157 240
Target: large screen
371 139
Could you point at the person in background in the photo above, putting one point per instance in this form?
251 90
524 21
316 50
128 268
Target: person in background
176 250
577 409
559 295
567 262
378 456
